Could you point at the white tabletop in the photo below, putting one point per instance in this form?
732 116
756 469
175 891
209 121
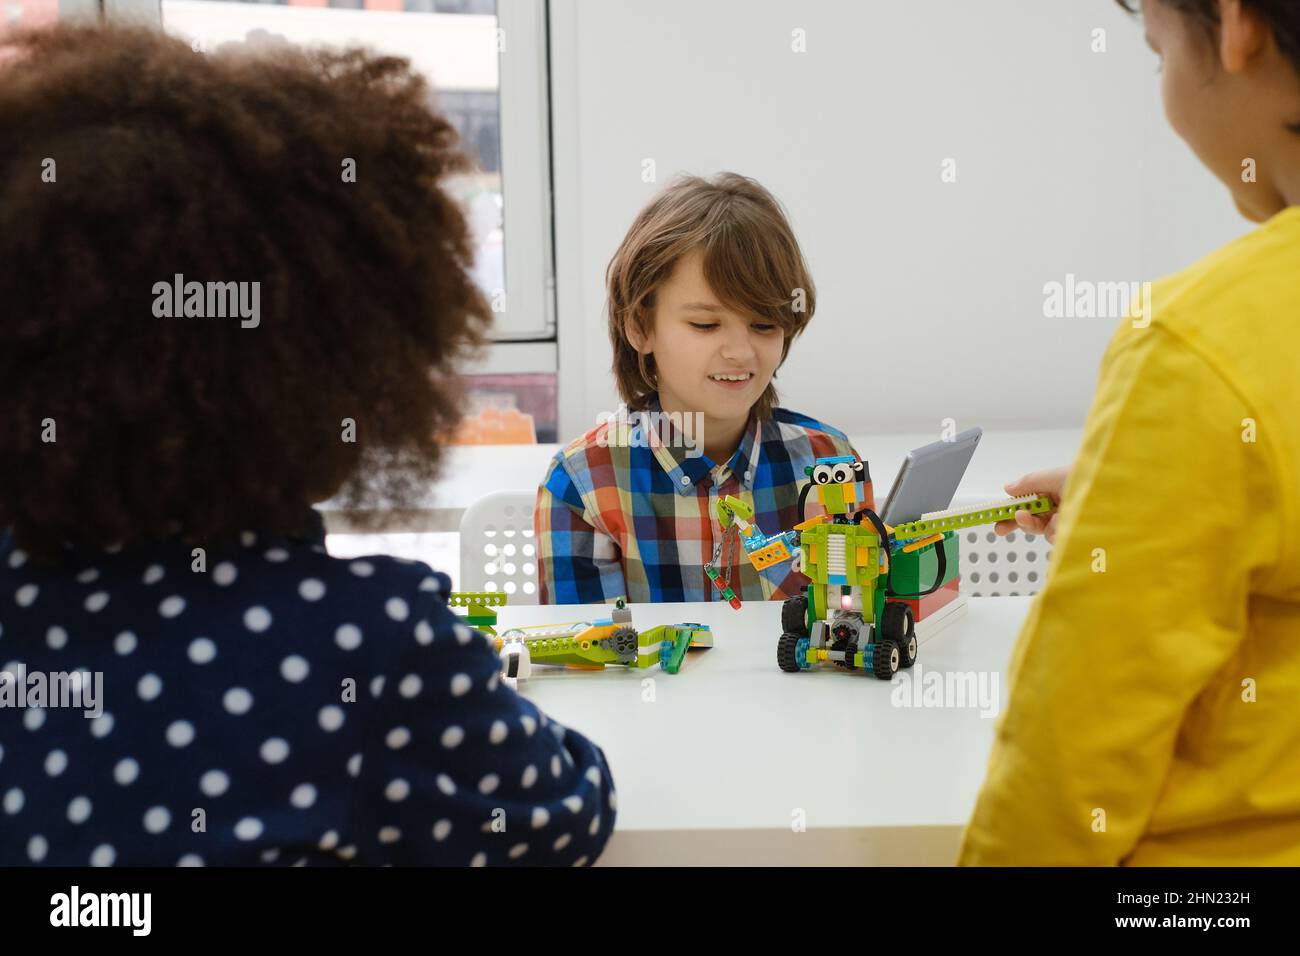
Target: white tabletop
717 763
472 471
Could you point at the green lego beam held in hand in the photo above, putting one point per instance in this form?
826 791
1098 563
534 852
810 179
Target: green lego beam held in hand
969 518
728 507
480 607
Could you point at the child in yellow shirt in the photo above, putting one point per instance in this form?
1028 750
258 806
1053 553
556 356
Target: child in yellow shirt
1154 713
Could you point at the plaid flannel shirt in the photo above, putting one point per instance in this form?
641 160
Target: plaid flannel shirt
622 514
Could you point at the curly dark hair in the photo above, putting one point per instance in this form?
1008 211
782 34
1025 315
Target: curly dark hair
223 167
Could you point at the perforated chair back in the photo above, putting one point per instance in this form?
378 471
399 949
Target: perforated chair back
497 549
992 566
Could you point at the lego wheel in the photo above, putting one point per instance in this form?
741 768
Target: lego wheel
789 655
886 658
909 649
794 615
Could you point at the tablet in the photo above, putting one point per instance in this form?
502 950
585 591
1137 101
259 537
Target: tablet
929 478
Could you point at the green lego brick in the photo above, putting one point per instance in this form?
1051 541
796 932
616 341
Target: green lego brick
960 518
914 572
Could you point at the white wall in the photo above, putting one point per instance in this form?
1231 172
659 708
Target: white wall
1064 164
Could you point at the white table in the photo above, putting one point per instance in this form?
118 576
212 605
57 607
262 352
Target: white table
718 765
472 471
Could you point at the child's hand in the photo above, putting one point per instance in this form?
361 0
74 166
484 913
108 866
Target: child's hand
1049 482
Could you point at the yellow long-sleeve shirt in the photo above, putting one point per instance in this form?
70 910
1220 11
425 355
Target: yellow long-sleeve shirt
1154 711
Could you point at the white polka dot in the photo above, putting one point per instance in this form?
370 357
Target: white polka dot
460 685
104 855
277 555
274 750
556 769
529 725
593 774
580 861
34 718
574 803
498 731
613 800
125 771
541 817
214 783
595 825
397 790
294 668
463 634
446 785
247 539
102 725
410 686
396 608
157 819
88 576
530 776
171 606
348 637
452 736
224 574
362 569
441 829
328 841
180 733
154 574
78 810
190 859
26 594
480 859
13 801
346 852
389 835
124 643
354 765
397 738
149 686
257 619
202 650
249 828
311 589
270 856
493 682
377 686
37 847
56 762
489 784
303 796
430 584
561 841
17 558
330 718
423 633
96 602
518 850
237 701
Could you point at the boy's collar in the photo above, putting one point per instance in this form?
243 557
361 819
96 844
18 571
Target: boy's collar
685 471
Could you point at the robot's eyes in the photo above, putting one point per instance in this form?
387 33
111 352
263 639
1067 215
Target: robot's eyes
821 474
842 474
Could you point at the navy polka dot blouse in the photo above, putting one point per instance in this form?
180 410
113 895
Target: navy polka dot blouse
278 707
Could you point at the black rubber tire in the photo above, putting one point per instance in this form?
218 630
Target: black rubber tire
885 658
899 626
785 653
794 615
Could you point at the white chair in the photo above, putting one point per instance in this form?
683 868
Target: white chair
1000 567
497 550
